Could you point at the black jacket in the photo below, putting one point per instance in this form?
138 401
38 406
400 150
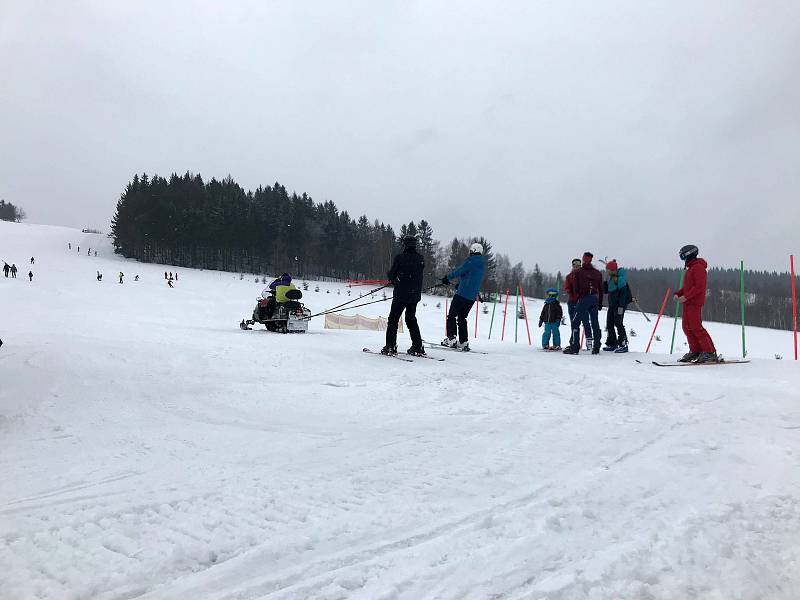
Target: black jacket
406 276
551 312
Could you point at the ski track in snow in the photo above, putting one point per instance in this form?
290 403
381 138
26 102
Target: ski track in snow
151 449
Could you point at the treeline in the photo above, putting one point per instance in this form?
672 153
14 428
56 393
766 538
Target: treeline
768 300
9 212
188 222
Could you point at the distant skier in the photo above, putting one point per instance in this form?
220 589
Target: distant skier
551 317
89 253
693 295
30 276
588 287
176 276
170 274
70 245
31 260
405 276
470 276
169 283
95 253
6 269
99 276
136 278
619 295
13 271
121 275
165 276
79 249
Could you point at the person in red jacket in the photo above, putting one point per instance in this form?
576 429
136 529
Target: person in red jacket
693 295
587 284
572 301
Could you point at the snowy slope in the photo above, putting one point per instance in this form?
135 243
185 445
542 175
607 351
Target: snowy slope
152 449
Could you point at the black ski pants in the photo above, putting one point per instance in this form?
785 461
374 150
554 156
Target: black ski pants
459 310
572 309
398 306
586 310
615 327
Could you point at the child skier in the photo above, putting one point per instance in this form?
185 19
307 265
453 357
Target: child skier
693 295
551 317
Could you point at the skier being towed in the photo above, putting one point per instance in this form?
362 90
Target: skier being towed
470 277
275 293
406 277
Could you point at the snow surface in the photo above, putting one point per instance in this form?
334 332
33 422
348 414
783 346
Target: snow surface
151 449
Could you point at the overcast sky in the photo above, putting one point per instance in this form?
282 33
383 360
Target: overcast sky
629 128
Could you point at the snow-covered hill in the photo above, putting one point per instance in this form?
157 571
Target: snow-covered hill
152 449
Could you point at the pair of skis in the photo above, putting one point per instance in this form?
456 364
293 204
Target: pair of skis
404 358
722 361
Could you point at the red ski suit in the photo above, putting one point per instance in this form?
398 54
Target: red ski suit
694 290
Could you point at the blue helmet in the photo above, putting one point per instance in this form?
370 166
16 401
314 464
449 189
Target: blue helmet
552 292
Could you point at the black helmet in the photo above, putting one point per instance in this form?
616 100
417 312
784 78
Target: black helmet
688 252
410 241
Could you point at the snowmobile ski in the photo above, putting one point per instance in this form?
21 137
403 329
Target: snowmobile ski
397 356
696 364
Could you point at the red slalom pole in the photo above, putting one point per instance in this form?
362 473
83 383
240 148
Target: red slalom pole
477 310
661 312
794 304
525 312
505 313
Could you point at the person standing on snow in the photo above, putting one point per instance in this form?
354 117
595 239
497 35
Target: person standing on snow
6 269
121 275
572 301
30 276
693 295
588 287
31 260
406 277
470 278
551 317
13 271
619 295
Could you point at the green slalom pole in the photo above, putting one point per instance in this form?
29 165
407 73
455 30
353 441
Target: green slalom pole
494 307
516 315
677 314
741 295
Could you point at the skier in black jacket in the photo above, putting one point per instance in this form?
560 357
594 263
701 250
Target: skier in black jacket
406 277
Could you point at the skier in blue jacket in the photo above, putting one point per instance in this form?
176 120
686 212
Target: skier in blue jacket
470 277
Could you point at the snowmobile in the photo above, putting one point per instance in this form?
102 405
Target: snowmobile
287 317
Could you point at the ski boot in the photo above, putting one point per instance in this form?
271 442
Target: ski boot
707 357
416 351
571 350
547 348
389 350
622 348
464 347
689 357
596 350
450 342
608 348
555 348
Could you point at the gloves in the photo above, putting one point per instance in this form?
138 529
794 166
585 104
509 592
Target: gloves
540 323
445 280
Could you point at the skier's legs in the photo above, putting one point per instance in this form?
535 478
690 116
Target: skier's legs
546 335
611 334
699 338
592 304
691 323
394 319
463 313
581 318
619 321
452 314
556 333
413 326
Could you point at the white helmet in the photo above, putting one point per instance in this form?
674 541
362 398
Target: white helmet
476 248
